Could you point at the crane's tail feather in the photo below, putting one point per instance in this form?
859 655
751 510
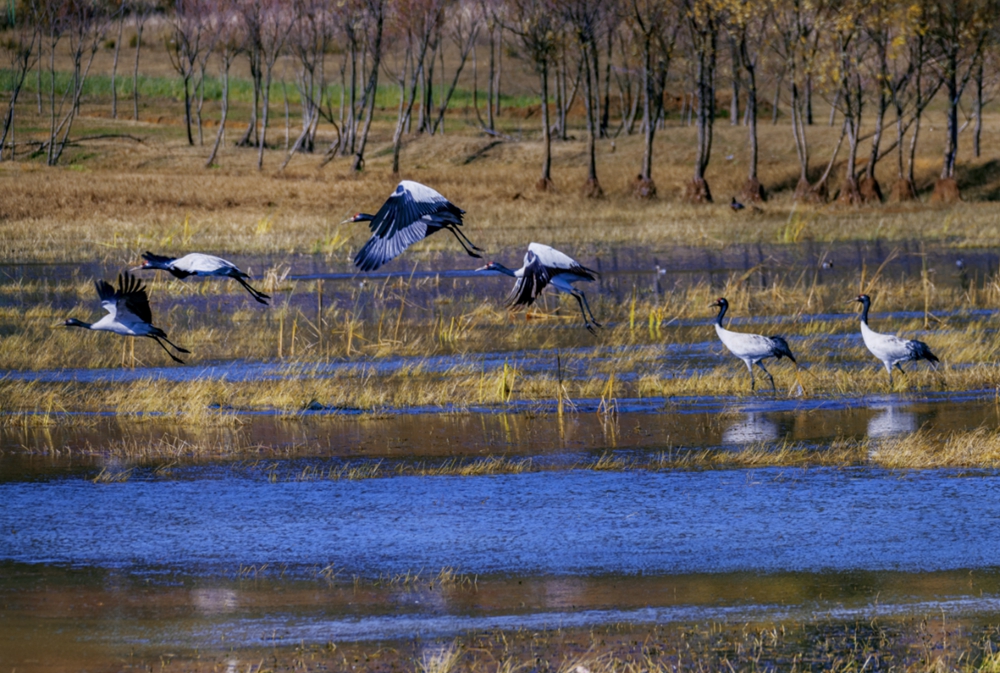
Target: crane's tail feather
922 351
781 348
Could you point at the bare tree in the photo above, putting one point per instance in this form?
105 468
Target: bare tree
251 16
276 23
141 11
703 20
464 30
373 13
537 30
185 47
798 25
586 19
119 15
23 45
747 24
987 86
910 92
654 27
227 37
422 19
85 24
877 30
311 37
959 30
850 49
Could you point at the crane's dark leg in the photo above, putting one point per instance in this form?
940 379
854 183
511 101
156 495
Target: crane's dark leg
580 299
761 365
753 383
256 294
466 238
176 347
172 356
587 304
899 366
469 247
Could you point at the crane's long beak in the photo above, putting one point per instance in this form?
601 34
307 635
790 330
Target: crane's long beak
484 268
350 219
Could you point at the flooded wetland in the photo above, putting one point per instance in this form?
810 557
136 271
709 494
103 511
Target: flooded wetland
379 471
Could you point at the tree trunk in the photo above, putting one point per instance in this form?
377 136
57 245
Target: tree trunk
592 188
951 138
644 187
752 191
946 188
114 66
359 156
777 98
606 109
418 68
734 104
265 113
492 81
351 124
140 24
187 108
809 99
697 190
545 181
439 122
496 87
977 131
225 111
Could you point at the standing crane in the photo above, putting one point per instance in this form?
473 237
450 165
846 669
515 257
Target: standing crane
411 214
889 348
198 264
128 313
544 265
751 348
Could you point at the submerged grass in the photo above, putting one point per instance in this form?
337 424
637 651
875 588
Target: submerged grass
978 448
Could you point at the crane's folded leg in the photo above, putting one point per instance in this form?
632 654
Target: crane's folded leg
256 294
470 248
172 356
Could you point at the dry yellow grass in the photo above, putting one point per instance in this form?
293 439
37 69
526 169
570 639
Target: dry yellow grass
122 200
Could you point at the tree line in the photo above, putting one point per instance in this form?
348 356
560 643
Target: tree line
626 64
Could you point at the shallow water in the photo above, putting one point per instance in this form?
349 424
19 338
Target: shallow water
216 550
573 522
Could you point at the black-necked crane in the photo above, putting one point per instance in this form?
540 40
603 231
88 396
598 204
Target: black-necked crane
544 265
128 313
751 348
412 213
199 264
889 348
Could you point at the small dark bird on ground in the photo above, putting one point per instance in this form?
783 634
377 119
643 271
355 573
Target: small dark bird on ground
736 205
